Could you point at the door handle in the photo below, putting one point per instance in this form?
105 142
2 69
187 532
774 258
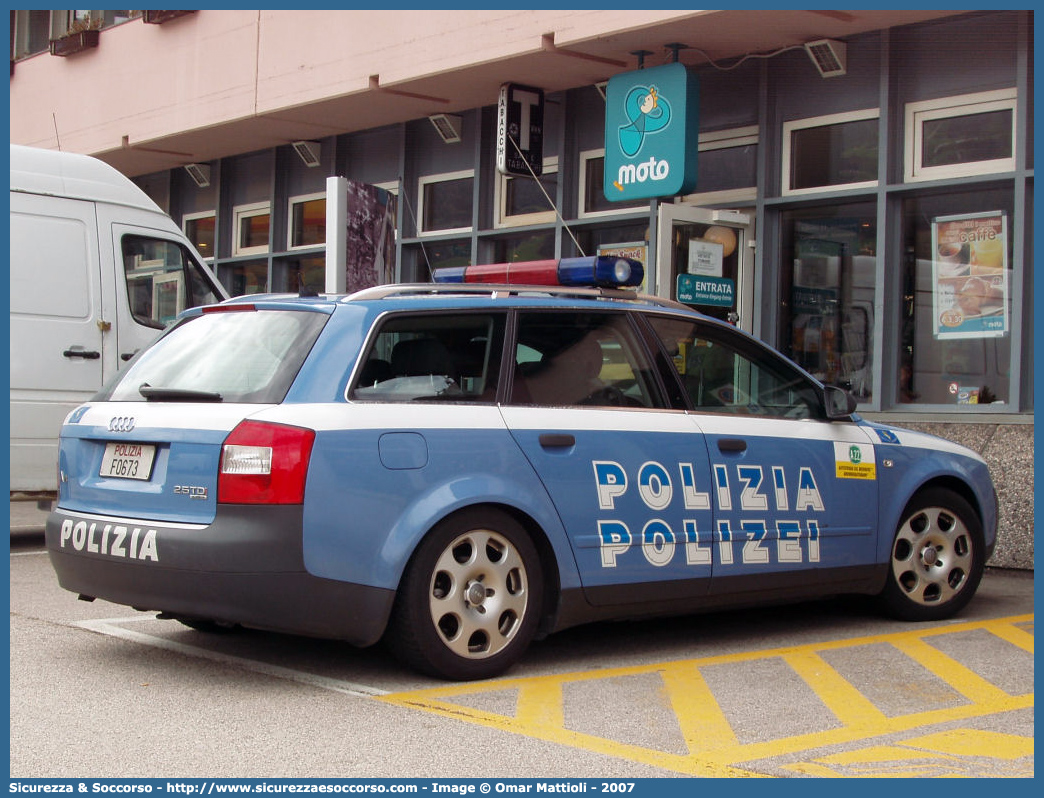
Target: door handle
554 440
128 355
85 354
732 445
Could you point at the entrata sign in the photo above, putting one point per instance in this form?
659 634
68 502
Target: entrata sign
694 289
520 130
651 133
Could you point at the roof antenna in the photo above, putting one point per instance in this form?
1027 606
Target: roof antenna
54 119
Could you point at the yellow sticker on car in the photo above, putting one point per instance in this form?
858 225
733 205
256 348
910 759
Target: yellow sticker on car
854 461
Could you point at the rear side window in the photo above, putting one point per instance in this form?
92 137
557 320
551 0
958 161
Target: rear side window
581 358
231 356
443 357
162 280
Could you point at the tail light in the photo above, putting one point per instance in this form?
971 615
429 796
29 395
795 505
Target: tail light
264 463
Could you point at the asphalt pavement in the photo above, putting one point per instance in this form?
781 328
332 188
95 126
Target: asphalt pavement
823 689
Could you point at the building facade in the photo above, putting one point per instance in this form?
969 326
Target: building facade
864 178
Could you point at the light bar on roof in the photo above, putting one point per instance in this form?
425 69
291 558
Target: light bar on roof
603 271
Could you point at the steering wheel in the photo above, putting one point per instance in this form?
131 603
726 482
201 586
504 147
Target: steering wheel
608 395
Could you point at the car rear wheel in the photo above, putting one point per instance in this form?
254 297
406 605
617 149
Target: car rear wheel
469 602
937 558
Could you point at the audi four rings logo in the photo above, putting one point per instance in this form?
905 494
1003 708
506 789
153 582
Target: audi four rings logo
121 424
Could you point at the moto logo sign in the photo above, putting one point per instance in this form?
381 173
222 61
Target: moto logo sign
121 424
651 133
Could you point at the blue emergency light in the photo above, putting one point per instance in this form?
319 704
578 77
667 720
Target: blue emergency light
603 271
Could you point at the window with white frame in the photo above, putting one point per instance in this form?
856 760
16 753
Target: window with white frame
727 170
200 229
251 225
444 202
30 32
832 152
307 215
592 200
521 199
972 134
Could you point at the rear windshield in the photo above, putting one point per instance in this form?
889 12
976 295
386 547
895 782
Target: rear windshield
239 356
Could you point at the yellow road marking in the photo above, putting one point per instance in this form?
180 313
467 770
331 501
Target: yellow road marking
976 742
541 703
949 753
840 696
964 680
713 746
703 724
1016 636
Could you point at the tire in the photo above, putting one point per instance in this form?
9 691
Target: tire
470 598
936 560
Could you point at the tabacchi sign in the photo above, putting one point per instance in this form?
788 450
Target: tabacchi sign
520 130
651 133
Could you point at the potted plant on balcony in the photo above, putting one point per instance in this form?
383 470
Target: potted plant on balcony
159 17
82 35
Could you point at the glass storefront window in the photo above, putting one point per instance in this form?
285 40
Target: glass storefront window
253 232
307 222
955 341
830 152
446 202
970 134
251 225
307 274
592 194
523 200
827 293
592 238
248 278
960 139
528 246
439 254
200 229
728 168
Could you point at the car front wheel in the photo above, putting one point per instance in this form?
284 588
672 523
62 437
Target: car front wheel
937 558
469 602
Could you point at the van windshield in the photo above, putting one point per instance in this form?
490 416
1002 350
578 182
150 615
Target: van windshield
247 356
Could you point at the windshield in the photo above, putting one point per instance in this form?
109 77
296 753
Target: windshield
234 356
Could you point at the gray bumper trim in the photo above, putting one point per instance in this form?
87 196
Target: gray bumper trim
246 567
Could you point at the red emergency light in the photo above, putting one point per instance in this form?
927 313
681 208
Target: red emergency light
602 271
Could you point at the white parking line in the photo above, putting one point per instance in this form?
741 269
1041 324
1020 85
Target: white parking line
113 627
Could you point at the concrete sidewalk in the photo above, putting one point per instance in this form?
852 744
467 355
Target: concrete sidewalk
27 517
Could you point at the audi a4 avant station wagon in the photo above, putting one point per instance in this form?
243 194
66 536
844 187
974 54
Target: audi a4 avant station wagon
460 467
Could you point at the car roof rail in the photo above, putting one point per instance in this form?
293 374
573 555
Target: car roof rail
497 290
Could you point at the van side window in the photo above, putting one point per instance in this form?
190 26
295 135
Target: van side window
162 280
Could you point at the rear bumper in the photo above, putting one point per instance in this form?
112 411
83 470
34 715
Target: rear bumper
245 567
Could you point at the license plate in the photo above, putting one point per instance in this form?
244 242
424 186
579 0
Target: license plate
128 460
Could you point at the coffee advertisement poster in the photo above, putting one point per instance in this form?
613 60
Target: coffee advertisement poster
970 275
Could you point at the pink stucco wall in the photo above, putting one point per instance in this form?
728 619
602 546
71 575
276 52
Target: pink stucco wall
145 82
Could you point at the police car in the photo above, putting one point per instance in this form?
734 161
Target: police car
460 467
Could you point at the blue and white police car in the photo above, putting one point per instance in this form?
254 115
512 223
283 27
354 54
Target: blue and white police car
460 467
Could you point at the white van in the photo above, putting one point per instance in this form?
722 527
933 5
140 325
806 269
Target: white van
97 271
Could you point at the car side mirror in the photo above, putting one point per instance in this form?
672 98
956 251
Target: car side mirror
839 403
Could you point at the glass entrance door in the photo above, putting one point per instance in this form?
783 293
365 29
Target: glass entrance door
702 260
